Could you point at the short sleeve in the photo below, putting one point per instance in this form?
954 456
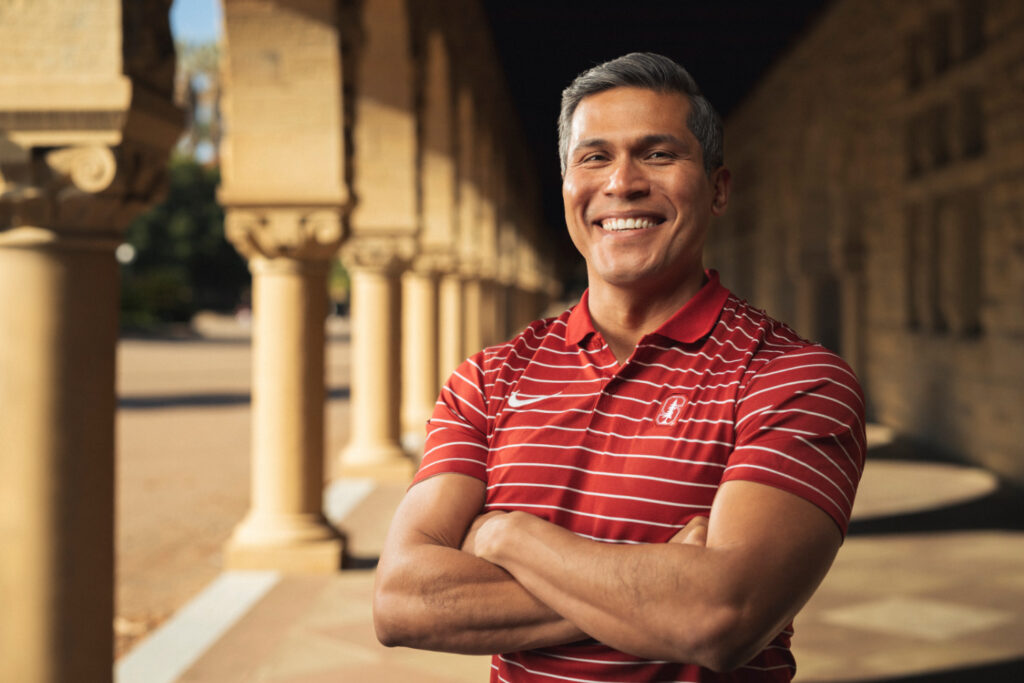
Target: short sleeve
800 428
457 430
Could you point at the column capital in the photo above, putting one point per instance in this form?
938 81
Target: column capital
433 263
387 254
311 233
77 193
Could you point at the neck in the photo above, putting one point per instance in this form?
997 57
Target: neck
623 315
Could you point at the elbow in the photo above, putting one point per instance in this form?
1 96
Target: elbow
726 643
726 660
391 622
385 624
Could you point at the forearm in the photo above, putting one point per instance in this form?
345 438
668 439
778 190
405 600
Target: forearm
654 601
439 598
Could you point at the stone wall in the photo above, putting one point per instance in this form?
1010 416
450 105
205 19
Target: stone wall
878 206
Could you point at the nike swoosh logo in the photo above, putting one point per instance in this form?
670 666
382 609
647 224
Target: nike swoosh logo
516 402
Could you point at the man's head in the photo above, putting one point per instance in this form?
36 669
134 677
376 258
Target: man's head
653 72
642 176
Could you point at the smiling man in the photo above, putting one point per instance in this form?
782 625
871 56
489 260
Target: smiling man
651 485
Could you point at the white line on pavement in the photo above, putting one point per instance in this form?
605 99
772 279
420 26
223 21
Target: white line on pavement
179 643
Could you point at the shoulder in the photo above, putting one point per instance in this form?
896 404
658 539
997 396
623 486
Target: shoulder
778 356
799 420
541 336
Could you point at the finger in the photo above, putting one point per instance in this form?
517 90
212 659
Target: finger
474 527
694 533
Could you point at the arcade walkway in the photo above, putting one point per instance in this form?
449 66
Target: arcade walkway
929 585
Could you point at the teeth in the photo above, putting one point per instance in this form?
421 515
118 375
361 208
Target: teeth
626 223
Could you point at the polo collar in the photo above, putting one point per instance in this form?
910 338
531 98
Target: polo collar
693 321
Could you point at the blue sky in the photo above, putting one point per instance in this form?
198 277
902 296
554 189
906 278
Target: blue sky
196 21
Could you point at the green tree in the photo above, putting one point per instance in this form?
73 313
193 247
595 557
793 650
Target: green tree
181 261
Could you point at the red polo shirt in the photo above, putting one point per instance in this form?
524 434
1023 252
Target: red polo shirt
628 454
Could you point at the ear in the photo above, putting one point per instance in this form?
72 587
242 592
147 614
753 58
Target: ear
721 181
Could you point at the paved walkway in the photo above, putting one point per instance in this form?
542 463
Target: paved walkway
929 586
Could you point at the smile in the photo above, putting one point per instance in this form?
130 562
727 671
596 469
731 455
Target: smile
619 224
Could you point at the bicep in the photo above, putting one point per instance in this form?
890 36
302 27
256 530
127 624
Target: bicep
436 511
777 547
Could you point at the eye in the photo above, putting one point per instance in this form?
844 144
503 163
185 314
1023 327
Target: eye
660 155
593 156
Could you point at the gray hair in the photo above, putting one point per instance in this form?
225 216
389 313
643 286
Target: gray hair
653 72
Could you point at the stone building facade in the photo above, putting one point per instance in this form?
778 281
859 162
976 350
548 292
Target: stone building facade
878 205
376 131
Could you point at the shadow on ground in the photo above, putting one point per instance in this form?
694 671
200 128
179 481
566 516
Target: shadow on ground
159 401
1003 509
1000 672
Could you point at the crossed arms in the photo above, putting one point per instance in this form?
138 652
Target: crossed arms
454 580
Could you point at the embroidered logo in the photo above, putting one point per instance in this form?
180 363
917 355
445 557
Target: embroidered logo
516 401
671 410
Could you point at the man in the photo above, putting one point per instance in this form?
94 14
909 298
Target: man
649 486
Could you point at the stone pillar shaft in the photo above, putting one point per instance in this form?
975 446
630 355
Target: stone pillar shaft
289 249
374 441
57 357
473 300
806 304
419 356
291 305
452 323
851 326
67 192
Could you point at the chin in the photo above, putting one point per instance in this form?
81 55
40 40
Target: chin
629 280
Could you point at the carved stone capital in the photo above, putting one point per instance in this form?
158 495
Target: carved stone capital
432 263
305 233
387 254
89 168
76 192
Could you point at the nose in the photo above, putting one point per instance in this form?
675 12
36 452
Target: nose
626 179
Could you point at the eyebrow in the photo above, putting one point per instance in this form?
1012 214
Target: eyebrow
645 141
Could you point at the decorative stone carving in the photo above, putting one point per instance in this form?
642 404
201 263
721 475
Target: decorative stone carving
390 254
91 168
77 192
307 233
433 263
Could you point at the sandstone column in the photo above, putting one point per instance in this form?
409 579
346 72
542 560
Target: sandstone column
473 301
526 300
420 348
84 139
58 333
847 261
285 192
451 351
289 251
505 319
374 438
422 317
385 222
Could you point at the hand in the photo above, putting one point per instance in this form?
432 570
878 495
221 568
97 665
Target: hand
469 542
694 533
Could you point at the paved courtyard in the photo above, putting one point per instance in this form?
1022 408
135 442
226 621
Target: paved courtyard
183 461
928 587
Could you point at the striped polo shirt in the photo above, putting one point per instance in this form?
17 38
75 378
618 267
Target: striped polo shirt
629 453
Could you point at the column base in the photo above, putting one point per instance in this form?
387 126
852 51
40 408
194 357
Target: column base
317 557
383 462
287 543
413 442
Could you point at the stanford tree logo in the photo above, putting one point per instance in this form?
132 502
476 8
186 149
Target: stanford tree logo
671 410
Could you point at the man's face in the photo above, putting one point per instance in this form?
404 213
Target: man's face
637 200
